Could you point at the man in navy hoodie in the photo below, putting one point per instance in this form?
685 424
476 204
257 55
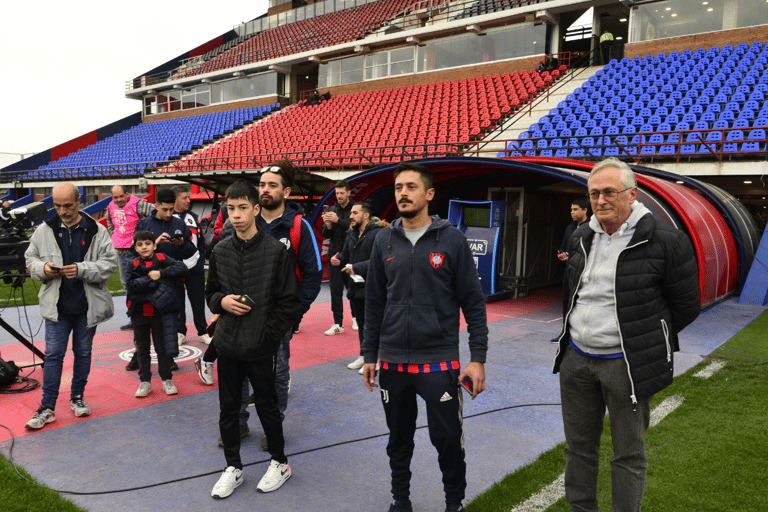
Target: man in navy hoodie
278 220
420 274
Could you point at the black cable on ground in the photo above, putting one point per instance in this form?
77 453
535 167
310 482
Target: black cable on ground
30 384
303 452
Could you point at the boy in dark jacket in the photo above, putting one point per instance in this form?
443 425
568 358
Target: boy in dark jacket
253 287
153 305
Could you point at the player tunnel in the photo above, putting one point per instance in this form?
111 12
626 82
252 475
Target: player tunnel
537 193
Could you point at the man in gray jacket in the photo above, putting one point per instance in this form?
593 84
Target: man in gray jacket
73 256
631 286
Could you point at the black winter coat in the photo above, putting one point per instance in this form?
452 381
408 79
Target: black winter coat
357 251
261 269
657 295
165 294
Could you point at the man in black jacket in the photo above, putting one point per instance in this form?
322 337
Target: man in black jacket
420 276
631 286
353 261
253 287
335 227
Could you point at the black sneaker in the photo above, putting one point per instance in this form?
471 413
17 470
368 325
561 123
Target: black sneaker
399 506
133 364
174 366
454 508
126 327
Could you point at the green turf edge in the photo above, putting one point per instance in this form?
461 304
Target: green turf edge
739 409
18 495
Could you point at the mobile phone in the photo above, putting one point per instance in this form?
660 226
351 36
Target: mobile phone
176 237
247 301
55 269
467 384
326 208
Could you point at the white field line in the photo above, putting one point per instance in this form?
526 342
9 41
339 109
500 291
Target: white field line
547 497
707 372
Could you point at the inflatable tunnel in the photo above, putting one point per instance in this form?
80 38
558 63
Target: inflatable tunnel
539 190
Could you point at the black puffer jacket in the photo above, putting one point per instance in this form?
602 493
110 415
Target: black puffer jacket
657 295
261 269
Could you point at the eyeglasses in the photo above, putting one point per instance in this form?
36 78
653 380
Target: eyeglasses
608 194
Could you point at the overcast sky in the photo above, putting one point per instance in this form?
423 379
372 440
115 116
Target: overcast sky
64 64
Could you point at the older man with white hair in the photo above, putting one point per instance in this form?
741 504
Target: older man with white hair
631 286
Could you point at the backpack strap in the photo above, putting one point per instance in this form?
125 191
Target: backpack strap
295 242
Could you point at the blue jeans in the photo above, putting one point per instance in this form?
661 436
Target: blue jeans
587 386
282 376
125 263
56 340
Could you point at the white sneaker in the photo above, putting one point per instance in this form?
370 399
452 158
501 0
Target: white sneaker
204 338
41 417
204 371
181 337
78 406
275 477
228 482
354 323
357 363
335 329
169 387
144 390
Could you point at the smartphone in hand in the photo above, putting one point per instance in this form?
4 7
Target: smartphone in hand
247 301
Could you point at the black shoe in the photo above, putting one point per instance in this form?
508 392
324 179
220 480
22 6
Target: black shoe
398 506
251 401
126 327
174 366
133 364
454 508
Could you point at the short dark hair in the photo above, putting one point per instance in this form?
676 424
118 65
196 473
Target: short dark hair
181 189
581 202
242 189
143 234
366 207
165 195
426 174
285 169
342 184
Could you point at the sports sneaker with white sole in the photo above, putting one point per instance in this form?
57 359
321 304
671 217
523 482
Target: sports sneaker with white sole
357 363
204 371
169 387
78 406
181 338
228 482
354 323
275 476
42 416
144 389
204 338
335 329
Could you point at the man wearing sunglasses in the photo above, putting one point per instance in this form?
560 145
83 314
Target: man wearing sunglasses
630 287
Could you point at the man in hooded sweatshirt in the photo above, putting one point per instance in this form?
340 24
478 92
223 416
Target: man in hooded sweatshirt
631 285
420 274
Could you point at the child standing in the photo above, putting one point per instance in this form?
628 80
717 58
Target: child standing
153 303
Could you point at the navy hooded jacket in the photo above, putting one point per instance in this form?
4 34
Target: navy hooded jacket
413 295
310 266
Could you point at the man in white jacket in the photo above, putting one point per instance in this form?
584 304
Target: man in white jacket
73 256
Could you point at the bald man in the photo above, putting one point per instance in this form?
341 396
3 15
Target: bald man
123 213
66 252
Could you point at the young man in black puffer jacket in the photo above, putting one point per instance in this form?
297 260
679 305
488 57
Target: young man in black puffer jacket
253 287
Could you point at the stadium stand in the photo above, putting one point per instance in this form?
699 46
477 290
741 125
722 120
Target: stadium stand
319 32
150 142
697 103
377 126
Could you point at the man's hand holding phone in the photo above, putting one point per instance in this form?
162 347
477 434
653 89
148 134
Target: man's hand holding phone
238 305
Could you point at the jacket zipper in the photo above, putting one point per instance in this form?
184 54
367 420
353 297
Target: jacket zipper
633 396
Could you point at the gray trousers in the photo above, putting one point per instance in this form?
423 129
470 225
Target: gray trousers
587 386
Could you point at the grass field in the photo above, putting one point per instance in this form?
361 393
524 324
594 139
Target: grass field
27 294
707 455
